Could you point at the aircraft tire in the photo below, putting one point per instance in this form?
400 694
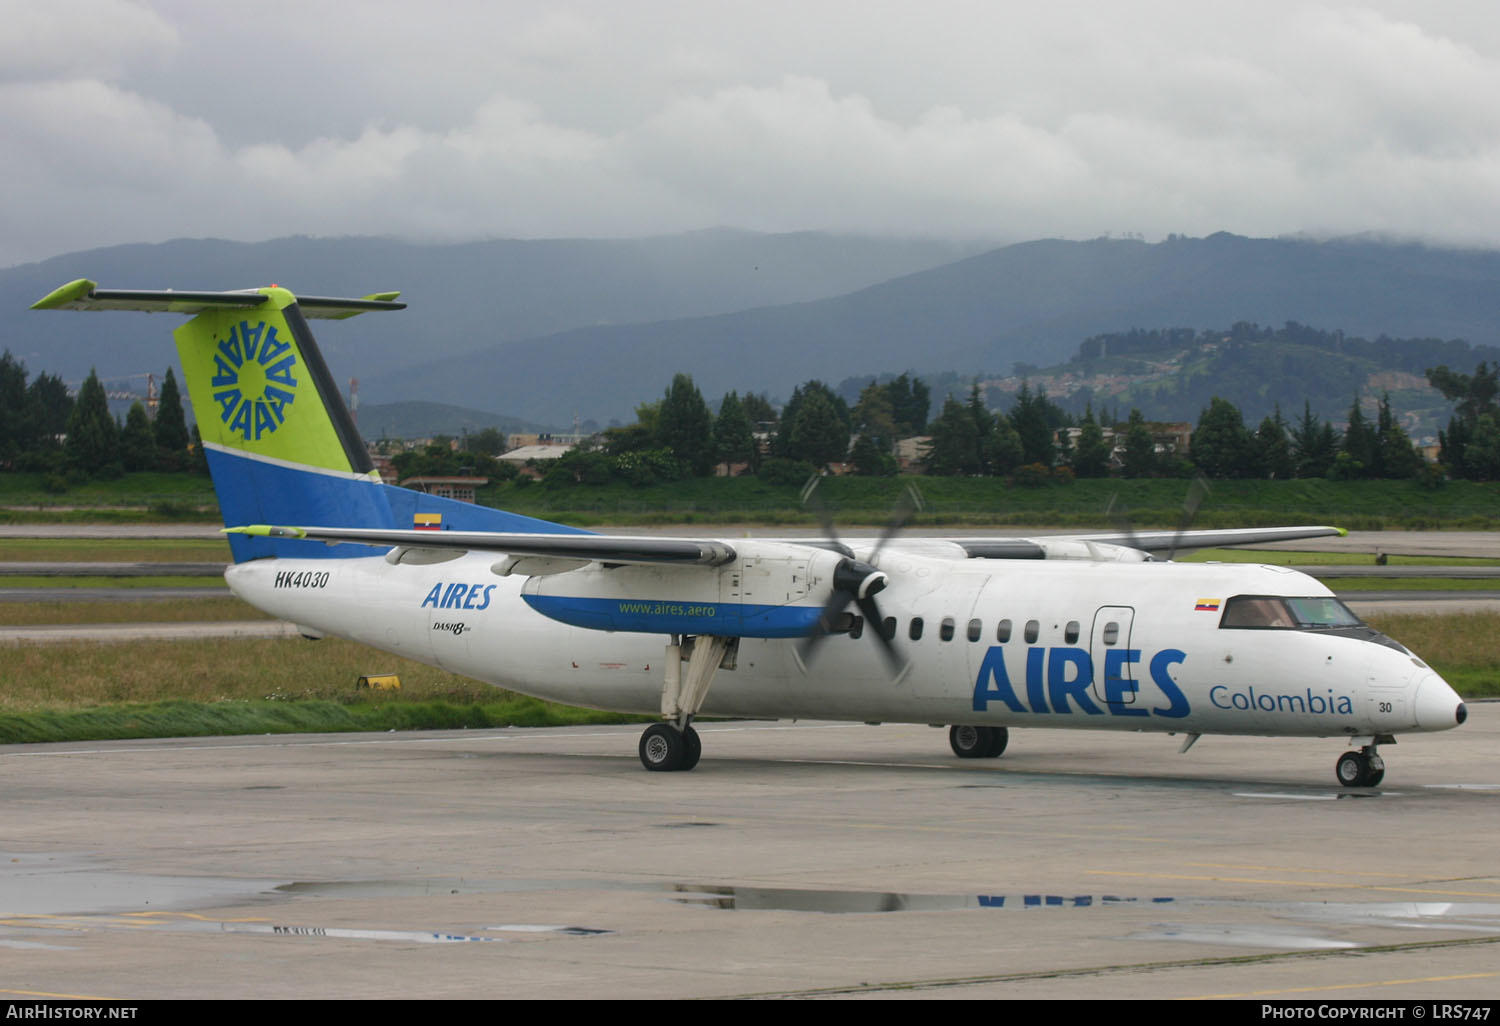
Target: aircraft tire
970 742
692 749
1353 770
662 748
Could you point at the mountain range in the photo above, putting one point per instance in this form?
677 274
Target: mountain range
552 330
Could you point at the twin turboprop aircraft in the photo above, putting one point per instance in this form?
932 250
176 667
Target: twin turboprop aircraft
982 634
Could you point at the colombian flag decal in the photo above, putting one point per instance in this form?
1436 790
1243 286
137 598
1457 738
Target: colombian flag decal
427 521
1207 606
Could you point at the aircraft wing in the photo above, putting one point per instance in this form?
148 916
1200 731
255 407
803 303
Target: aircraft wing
602 548
1145 541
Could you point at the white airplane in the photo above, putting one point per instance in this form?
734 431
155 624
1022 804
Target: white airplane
982 634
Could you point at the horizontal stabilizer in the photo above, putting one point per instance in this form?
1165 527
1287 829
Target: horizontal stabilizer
86 295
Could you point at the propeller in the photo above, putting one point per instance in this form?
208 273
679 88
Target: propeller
855 581
1191 503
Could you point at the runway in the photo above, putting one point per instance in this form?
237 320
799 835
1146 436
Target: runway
803 860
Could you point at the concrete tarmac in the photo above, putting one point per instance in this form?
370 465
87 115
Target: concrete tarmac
803 860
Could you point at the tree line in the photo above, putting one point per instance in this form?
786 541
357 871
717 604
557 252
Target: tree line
44 429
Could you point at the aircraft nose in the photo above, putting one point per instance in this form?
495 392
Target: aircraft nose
1438 706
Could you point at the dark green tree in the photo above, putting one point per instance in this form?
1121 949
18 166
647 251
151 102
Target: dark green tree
14 420
1474 397
93 445
1221 446
734 440
1360 446
1314 444
137 443
170 428
1031 419
1398 459
1139 458
1091 458
910 402
1273 449
1002 453
760 412
686 426
48 400
954 448
812 428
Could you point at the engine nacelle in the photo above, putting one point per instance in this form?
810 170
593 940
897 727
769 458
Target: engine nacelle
771 590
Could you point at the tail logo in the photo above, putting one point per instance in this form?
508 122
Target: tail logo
253 383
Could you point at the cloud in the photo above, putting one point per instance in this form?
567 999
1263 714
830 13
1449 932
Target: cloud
128 122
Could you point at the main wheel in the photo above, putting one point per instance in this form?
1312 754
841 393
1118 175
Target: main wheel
969 742
662 748
692 748
1353 769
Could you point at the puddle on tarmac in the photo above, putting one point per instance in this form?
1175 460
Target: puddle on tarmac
71 884
80 885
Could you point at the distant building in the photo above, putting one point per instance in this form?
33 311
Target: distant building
458 488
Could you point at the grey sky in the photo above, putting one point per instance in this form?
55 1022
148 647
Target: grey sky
143 120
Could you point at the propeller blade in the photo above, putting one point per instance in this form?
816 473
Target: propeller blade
1190 507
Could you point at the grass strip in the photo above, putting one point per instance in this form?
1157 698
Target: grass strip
180 718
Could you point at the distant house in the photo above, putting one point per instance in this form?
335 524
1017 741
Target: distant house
459 488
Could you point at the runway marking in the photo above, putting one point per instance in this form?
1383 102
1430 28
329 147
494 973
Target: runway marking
1342 986
59 997
1296 883
1283 869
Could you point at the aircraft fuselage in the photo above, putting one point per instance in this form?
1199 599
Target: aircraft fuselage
1121 646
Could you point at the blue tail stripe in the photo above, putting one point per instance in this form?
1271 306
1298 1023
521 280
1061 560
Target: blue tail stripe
256 492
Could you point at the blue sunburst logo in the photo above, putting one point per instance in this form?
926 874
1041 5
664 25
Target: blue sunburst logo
253 384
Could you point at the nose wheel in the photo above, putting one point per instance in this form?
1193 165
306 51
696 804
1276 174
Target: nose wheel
1363 768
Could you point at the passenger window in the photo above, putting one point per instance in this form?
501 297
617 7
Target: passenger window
1002 631
915 633
1111 633
945 631
857 628
1070 633
975 630
888 628
1032 630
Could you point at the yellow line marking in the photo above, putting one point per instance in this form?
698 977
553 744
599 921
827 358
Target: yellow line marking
1297 883
1281 869
1343 986
62 997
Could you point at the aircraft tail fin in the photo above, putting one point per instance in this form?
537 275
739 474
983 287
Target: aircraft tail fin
281 444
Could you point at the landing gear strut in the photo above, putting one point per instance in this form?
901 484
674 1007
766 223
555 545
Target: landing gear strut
1364 768
977 742
674 744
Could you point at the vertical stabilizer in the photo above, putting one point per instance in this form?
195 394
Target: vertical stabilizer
280 443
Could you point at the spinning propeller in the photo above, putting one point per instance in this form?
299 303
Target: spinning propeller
1191 503
855 581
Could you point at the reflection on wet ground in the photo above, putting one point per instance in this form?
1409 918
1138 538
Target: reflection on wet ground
63 892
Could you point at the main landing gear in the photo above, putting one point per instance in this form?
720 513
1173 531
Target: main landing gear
674 744
977 742
1364 768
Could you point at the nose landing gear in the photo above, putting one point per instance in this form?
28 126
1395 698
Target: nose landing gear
1364 768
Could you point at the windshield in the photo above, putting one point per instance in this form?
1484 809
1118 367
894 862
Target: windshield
1276 612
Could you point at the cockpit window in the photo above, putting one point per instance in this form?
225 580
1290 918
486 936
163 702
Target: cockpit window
1322 611
1274 612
